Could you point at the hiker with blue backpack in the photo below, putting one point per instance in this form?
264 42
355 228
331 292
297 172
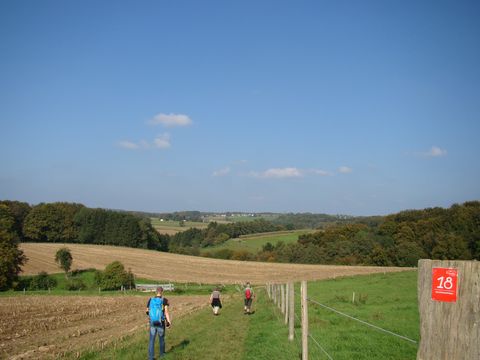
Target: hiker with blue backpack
159 319
248 299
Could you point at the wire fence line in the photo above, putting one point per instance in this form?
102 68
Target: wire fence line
320 346
297 337
361 321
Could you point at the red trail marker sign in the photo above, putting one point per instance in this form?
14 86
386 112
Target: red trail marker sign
444 284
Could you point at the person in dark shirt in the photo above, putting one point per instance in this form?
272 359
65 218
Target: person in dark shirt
158 327
215 301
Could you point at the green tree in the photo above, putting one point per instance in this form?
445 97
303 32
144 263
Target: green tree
64 259
19 211
12 258
114 277
52 223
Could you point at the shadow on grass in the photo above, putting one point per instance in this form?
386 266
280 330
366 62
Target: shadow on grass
181 345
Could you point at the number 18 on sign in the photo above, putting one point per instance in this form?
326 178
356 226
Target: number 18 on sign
444 284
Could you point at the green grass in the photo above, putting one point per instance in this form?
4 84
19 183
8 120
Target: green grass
92 289
254 243
231 335
388 301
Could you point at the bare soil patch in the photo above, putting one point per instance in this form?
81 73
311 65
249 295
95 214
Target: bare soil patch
157 265
46 327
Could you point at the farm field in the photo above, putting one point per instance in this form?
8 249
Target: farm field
155 265
388 301
254 243
172 227
38 327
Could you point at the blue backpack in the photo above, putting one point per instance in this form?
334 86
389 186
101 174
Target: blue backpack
156 311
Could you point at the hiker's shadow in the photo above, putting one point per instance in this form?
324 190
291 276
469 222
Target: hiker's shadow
181 345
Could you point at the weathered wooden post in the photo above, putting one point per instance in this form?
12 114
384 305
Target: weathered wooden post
449 306
279 297
282 298
286 303
303 292
291 311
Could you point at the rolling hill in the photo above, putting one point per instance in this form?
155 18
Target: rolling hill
157 265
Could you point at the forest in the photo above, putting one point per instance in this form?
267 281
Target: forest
394 240
399 239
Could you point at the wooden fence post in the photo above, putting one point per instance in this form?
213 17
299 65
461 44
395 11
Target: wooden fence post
450 324
274 291
303 292
286 303
282 298
279 297
291 311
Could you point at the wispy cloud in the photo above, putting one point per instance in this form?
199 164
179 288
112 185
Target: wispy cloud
321 172
435 151
221 172
288 172
128 145
162 141
345 170
170 120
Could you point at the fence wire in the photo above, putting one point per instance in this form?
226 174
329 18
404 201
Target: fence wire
310 335
320 346
361 321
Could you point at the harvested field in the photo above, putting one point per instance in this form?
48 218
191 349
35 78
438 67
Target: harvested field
157 265
46 327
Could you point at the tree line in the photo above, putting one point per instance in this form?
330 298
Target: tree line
398 239
190 241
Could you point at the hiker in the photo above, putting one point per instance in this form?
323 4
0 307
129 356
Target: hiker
248 299
215 301
159 319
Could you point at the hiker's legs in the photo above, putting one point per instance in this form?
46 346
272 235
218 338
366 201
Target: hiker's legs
151 343
161 340
248 304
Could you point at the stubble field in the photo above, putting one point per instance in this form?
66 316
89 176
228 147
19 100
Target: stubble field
47 327
42 327
157 265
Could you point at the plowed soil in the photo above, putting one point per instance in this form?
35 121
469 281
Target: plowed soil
46 327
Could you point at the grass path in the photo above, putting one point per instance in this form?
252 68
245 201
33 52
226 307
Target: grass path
231 335
385 300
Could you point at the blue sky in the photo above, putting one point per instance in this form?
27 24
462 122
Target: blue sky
339 107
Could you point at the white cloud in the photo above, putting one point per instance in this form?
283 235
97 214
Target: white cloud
344 170
280 173
321 172
162 141
170 120
435 151
128 145
221 172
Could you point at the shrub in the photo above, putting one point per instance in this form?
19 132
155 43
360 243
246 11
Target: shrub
42 282
23 283
75 284
114 277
